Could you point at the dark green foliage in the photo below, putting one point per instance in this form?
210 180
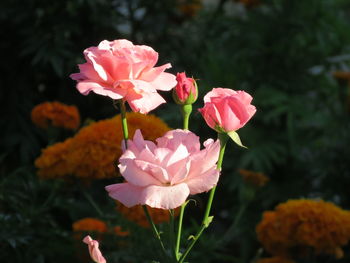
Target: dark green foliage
31 228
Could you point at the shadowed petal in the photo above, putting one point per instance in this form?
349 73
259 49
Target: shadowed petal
203 182
164 197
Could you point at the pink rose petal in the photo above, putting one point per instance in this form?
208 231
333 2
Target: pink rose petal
163 175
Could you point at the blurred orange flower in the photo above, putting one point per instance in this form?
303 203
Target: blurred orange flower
275 260
136 214
305 225
53 162
56 114
99 228
93 151
120 232
249 3
253 178
89 224
189 7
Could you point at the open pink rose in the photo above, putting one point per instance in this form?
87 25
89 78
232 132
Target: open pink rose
121 70
227 110
164 175
94 251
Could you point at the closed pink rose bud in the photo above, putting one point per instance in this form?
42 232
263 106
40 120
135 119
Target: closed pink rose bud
186 91
94 251
226 111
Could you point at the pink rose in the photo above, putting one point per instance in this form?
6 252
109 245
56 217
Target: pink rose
94 251
226 110
164 175
186 91
120 70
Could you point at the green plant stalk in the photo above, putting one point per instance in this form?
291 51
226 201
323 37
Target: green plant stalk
186 112
51 195
154 229
126 137
171 234
92 202
124 122
178 239
223 137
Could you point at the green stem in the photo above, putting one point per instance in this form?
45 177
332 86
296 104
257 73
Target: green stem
194 240
126 137
154 229
171 234
223 137
52 194
124 122
178 239
186 112
92 202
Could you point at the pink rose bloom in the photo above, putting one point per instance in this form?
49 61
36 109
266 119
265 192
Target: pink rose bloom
163 175
121 70
186 91
94 251
227 110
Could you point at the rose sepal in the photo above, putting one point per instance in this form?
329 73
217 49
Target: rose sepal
235 137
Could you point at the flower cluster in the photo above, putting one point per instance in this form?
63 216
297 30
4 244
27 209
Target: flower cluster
254 179
160 174
56 114
136 214
92 152
303 225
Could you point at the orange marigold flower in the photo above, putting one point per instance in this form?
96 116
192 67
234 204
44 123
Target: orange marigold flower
54 160
120 232
342 75
93 151
136 214
189 7
253 178
89 224
303 225
249 3
56 114
275 260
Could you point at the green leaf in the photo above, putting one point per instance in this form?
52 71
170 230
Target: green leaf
191 237
235 137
